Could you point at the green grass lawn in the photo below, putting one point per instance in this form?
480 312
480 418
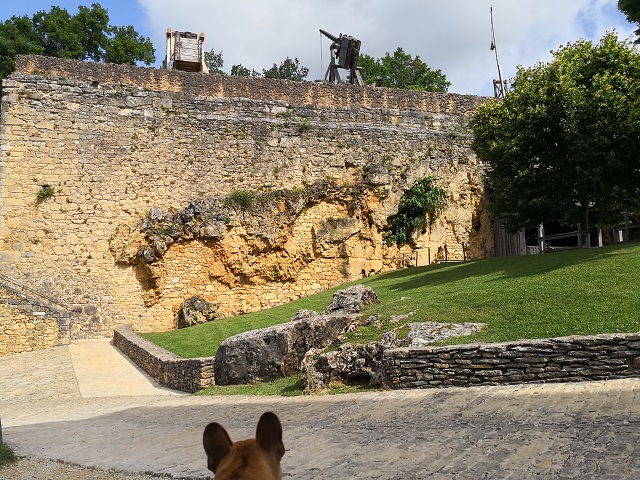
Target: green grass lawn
284 387
576 292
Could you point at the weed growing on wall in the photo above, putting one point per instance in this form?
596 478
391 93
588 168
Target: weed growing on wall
419 206
240 198
303 126
45 192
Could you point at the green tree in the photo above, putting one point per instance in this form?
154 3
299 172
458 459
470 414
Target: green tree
401 70
563 145
84 36
127 47
17 36
288 69
214 61
631 8
241 71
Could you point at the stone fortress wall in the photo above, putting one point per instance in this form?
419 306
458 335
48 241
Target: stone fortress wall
118 142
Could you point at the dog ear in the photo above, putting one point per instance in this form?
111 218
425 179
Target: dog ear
217 443
269 434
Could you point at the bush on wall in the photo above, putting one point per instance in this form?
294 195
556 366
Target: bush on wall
419 206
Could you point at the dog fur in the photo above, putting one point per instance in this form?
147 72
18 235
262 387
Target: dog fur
254 459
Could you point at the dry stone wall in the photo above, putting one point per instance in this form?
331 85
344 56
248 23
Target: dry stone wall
563 359
187 375
115 142
27 325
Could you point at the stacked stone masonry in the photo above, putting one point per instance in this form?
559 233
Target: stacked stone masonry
116 141
27 325
187 375
564 359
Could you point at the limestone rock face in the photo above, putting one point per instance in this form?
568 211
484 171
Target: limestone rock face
333 232
274 352
350 364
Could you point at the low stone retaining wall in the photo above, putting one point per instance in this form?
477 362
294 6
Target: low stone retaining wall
187 375
564 359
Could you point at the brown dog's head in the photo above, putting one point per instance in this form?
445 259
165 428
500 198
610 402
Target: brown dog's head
255 459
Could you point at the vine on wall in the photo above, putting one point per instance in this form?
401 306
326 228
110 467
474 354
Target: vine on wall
418 208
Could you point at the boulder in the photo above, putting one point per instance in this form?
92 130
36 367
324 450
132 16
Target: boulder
196 310
352 299
349 365
274 352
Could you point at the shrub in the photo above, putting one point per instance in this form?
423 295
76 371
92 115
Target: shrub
419 206
240 198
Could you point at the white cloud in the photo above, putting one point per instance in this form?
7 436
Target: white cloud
453 36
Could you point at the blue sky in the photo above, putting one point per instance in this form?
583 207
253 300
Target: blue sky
453 36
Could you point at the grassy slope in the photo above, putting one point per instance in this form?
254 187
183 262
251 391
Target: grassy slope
577 292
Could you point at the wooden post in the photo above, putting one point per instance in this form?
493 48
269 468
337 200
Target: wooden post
446 254
600 242
626 227
429 255
579 236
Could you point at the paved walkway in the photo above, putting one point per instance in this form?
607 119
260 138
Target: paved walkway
65 403
103 371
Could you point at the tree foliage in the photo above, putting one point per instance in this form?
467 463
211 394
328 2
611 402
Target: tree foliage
214 62
288 69
631 8
240 71
401 70
563 145
419 207
86 35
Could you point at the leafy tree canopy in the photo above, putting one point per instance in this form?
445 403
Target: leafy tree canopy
86 35
563 145
631 8
401 70
241 71
214 61
288 69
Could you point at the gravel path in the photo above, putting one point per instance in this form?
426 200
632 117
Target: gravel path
42 469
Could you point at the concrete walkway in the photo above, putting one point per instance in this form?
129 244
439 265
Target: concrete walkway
103 371
53 405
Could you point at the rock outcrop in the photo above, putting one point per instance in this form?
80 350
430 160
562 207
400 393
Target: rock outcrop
352 300
266 354
350 364
362 364
196 310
